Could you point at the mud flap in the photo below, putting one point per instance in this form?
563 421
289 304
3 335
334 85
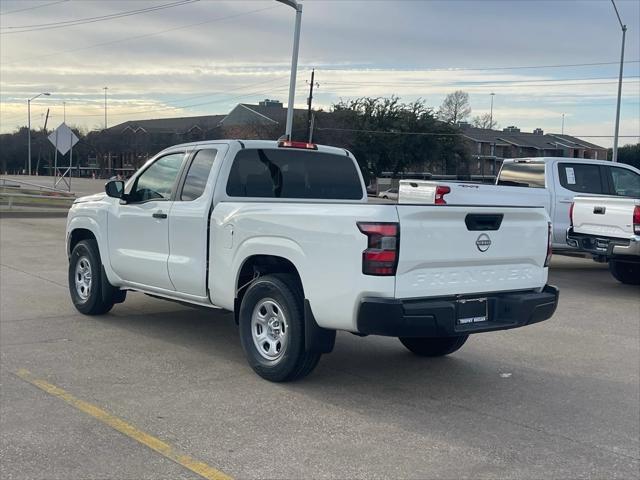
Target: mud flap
109 292
316 338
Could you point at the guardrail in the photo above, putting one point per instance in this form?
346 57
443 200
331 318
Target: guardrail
11 183
11 199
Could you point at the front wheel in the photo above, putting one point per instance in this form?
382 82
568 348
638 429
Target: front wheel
625 272
433 347
89 294
272 329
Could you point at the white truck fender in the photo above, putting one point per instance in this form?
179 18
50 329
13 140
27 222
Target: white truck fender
88 223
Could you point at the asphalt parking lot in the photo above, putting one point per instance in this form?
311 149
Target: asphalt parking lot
558 399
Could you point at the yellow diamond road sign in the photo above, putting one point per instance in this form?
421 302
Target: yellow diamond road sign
63 138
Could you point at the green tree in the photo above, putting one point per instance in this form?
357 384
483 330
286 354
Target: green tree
629 154
386 135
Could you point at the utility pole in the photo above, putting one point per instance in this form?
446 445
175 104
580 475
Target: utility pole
563 124
105 107
29 128
310 101
313 121
614 157
64 112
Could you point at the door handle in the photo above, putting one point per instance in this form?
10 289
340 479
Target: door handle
159 215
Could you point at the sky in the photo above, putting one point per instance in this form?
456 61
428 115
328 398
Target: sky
202 57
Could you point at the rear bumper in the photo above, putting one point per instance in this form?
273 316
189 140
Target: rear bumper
438 317
609 247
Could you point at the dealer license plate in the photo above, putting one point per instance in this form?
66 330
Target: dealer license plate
472 310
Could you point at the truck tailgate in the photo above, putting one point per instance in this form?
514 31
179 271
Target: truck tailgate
604 216
471 249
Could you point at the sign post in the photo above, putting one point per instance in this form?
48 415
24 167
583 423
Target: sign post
63 139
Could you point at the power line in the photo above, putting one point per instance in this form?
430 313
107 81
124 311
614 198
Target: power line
33 8
137 37
521 67
418 83
385 132
181 107
493 86
73 23
524 67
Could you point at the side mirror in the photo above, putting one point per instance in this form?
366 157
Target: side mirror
114 188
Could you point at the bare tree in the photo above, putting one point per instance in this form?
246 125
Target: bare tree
455 107
484 121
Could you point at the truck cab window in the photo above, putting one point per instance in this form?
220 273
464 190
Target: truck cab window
522 174
581 177
288 173
625 182
198 175
157 181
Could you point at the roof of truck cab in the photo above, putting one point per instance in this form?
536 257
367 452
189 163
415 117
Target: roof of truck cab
559 159
256 144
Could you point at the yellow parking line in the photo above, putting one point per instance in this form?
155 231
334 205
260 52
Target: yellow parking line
127 429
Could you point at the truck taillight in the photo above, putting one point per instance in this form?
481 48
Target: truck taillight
383 244
571 213
636 220
547 260
441 191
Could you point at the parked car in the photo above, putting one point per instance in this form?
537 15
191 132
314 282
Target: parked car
551 182
609 229
391 194
281 235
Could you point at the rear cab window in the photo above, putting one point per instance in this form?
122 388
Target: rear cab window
582 178
625 182
522 174
290 173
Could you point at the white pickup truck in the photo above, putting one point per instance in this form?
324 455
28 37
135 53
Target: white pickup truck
550 182
282 235
609 228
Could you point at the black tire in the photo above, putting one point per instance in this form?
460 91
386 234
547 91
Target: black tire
433 347
625 272
100 295
294 362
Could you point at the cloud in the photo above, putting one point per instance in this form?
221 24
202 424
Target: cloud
161 61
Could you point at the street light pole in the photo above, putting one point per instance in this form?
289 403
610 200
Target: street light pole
105 107
491 114
29 129
294 63
614 157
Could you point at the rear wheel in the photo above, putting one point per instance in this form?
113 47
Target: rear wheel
625 272
272 329
89 293
433 347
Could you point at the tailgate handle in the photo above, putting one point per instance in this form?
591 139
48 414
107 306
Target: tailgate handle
599 210
483 221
